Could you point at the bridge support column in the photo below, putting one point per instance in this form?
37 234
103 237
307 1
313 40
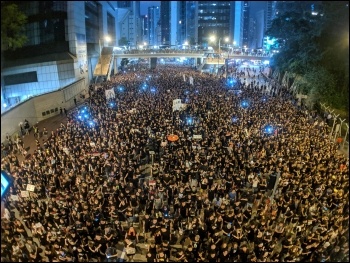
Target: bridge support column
153 63
115 65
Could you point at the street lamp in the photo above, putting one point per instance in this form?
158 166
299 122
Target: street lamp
105 39
226 40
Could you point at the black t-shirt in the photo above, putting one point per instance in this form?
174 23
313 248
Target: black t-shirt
150 257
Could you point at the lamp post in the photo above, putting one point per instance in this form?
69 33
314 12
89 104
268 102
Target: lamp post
105 39
226 39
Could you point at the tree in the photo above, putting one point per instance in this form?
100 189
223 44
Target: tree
12 26
316 48
123 41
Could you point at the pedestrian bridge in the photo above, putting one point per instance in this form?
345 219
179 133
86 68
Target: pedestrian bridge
186 53
110 57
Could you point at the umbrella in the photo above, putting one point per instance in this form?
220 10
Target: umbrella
172 137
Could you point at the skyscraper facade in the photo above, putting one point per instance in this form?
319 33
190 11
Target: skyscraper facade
145 28
153 20
246 7
130 22
62 48
215 18
165 22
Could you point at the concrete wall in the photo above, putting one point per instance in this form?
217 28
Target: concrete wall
33 109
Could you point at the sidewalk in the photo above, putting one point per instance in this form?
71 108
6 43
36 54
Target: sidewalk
51 124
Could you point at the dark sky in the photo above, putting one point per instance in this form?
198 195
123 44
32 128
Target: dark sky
145 4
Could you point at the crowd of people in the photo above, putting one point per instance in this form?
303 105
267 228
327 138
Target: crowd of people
212 190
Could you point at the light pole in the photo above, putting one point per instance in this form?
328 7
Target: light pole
105 39
226 39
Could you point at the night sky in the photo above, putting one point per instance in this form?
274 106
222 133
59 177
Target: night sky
145 4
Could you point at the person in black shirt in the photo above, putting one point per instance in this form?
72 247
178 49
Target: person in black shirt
243 253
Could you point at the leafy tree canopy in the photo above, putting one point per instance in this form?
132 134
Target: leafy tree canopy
12 26
316 48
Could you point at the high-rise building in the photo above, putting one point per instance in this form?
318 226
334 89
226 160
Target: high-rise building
269 13
260 28
145 28
63 46
130 22
313 7
215 18
252 33
246 7
188 22
153 20
165 22
236 28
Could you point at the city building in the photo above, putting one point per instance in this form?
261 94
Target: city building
217 18
188 22
237 23
246 7
169 22
64 41
145 28
130 22
260 28
153 21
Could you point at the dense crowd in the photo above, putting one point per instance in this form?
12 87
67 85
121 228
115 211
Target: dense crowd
212 190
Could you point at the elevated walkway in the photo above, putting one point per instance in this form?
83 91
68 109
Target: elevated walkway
104 62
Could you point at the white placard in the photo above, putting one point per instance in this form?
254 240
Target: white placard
110 94
197 137
92 144
24 193
14 198
176 104
30 187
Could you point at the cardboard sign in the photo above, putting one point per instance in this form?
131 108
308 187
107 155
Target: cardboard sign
197 137
14 198
24 194
30 187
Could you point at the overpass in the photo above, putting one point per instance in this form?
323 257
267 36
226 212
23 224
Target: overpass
110 58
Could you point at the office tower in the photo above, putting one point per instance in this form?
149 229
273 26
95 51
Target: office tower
269 14
217 18
145 28
260 28
188 22
130 22
169 22
165 22
252 33
237 17
153 20
246 8
62 48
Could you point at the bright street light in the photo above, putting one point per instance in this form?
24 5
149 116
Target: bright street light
105 39
186 43
212 38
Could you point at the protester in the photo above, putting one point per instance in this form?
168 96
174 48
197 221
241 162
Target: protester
212 193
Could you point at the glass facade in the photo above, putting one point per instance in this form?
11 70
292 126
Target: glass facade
46 21
213 19
91 21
